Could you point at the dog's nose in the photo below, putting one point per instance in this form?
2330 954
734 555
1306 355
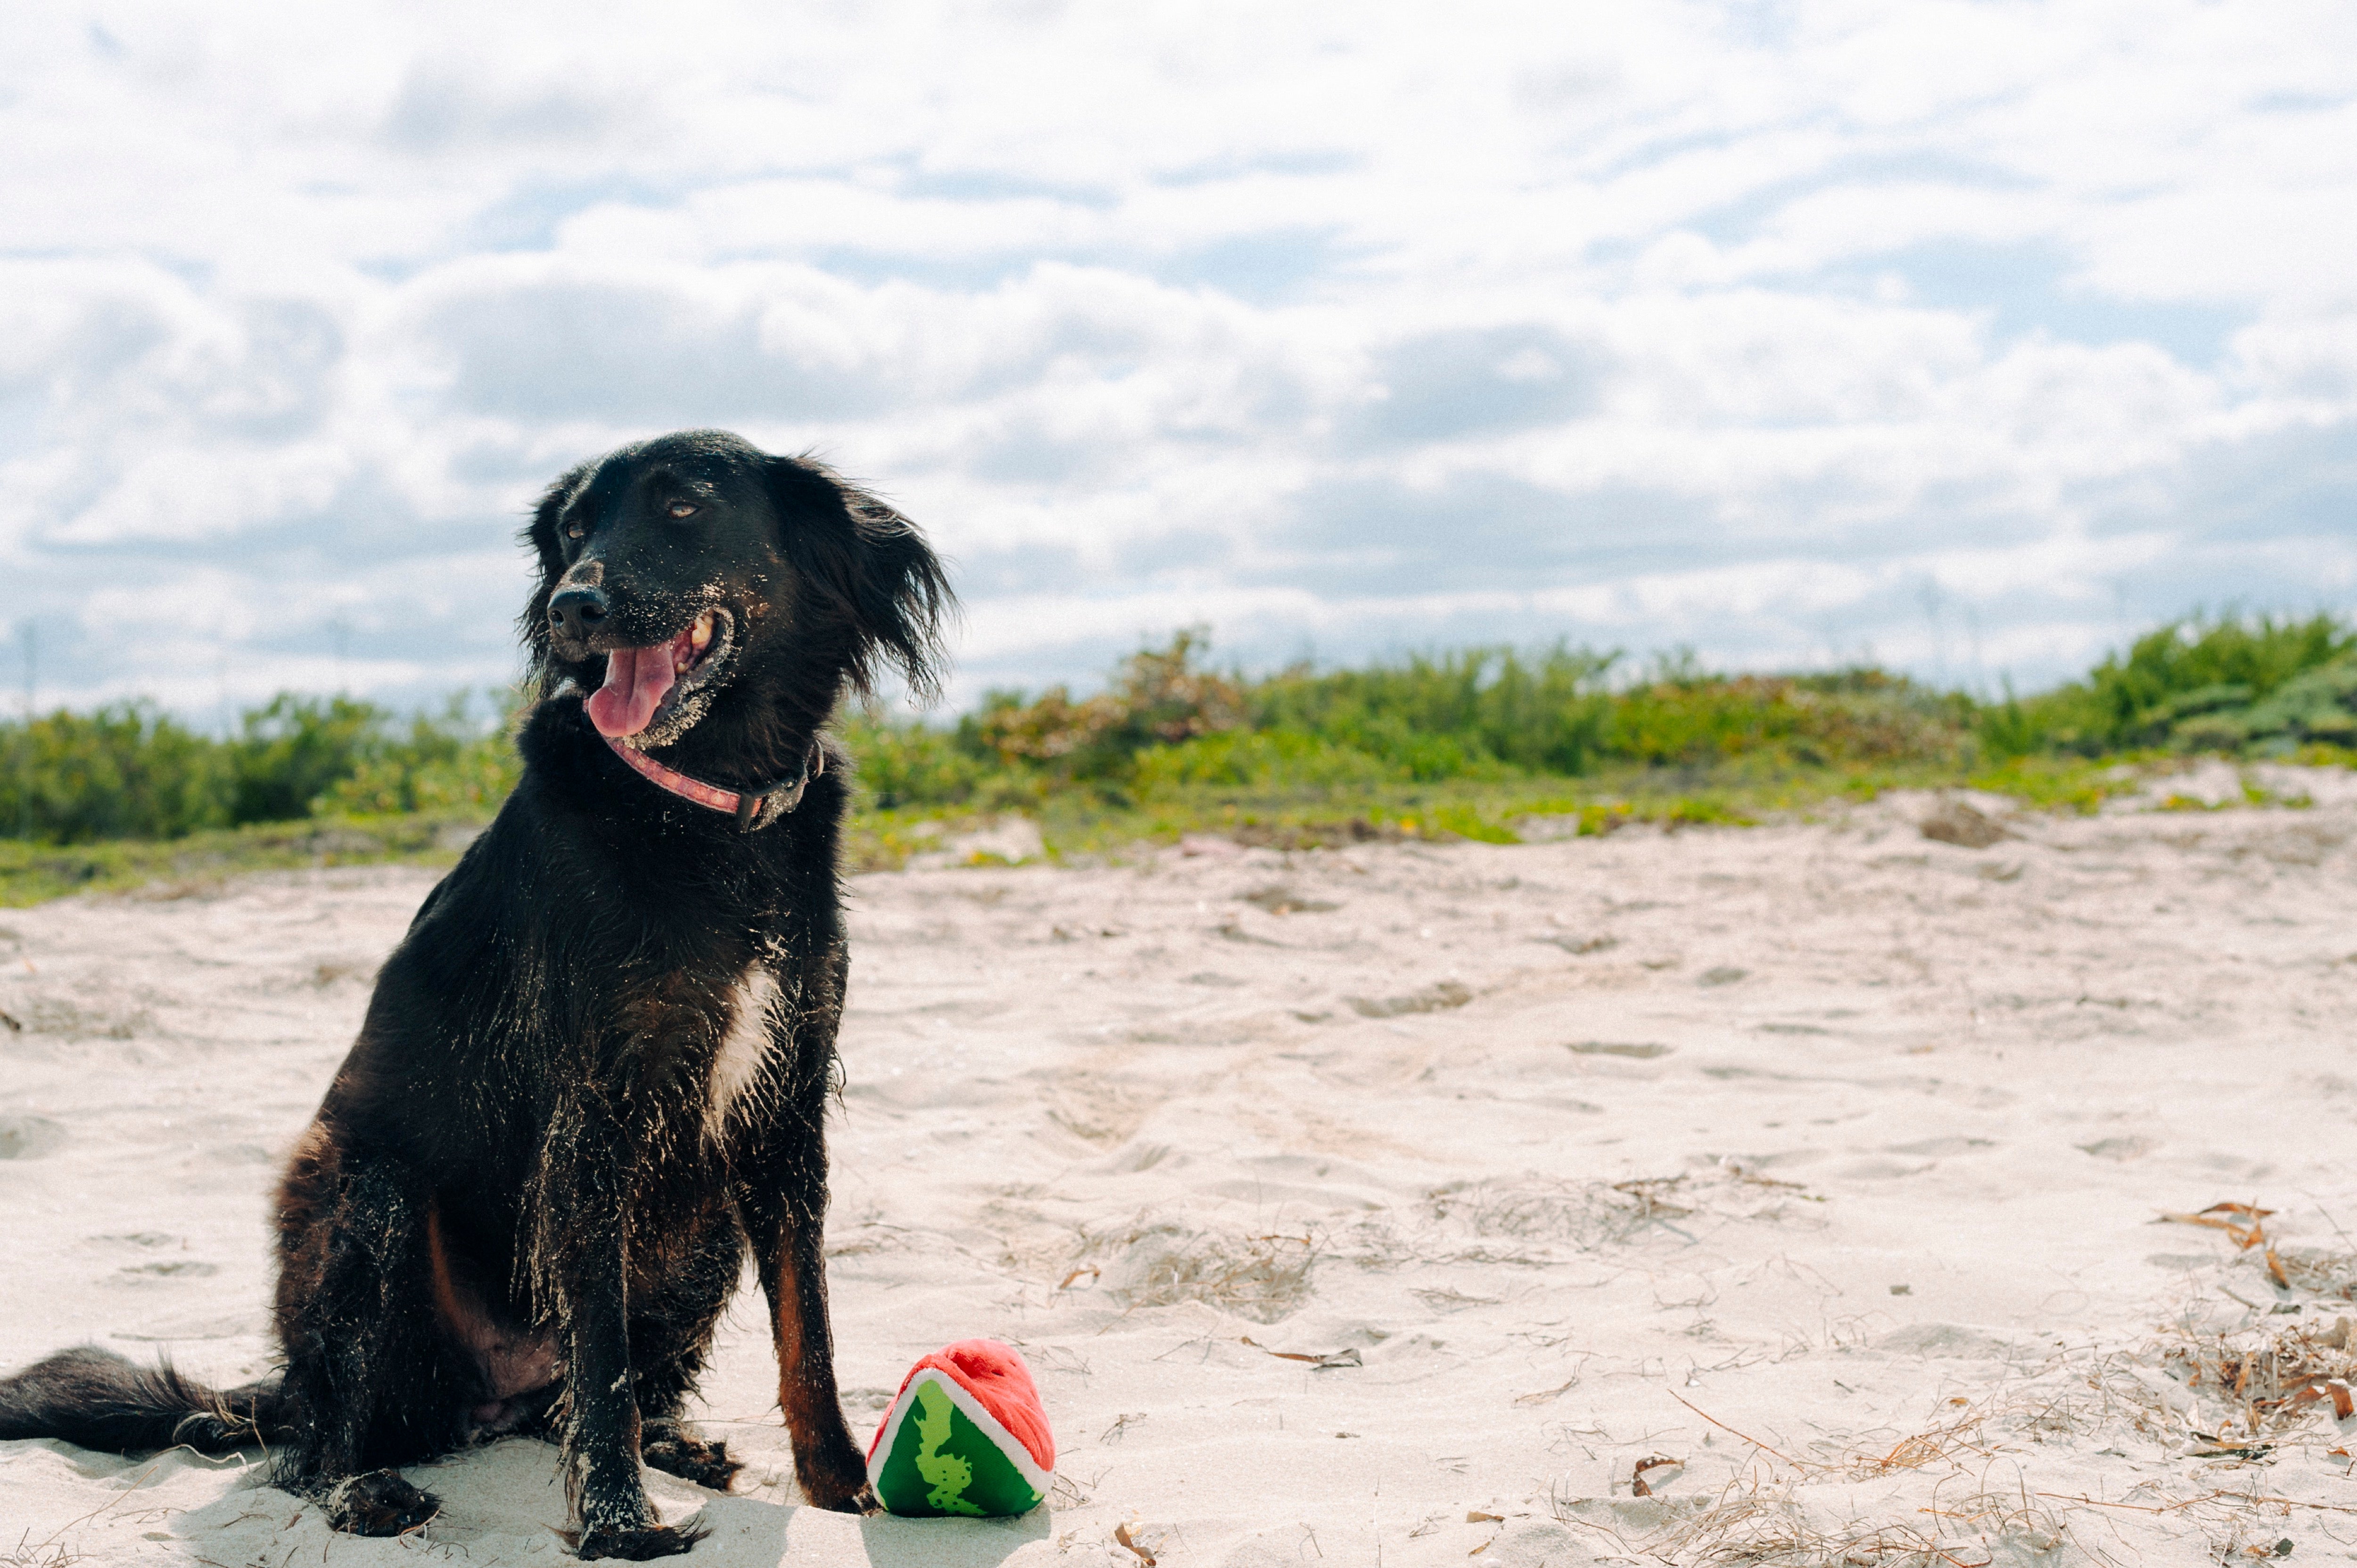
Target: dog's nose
577 611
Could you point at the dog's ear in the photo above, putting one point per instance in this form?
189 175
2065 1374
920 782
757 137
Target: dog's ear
869 568
540 537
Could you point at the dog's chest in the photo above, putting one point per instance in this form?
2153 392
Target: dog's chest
746 1040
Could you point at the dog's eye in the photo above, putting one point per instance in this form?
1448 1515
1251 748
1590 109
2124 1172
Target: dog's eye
573 531
683 508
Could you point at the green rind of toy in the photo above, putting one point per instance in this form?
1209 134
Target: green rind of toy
944 1455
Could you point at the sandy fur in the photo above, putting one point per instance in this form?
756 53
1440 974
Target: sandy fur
743 1049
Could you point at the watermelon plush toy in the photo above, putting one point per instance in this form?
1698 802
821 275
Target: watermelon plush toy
966 1435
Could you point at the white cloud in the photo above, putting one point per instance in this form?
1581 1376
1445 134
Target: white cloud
1331 326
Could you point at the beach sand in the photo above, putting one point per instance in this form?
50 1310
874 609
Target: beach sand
1391 1203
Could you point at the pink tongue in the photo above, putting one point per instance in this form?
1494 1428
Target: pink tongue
636 679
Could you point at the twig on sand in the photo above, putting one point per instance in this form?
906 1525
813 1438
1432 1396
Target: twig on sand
1755 1443
1320 1361
2220 1495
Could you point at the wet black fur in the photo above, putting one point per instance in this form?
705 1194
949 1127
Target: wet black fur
511 1172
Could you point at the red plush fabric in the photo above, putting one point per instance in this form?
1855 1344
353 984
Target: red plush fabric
997 1379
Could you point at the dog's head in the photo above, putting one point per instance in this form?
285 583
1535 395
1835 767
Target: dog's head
695 575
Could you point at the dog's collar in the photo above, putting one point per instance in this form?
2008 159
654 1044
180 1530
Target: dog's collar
744 805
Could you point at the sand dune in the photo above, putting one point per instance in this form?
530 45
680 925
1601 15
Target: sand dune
1393 1204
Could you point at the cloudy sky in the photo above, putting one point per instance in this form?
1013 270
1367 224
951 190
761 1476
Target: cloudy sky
1972 337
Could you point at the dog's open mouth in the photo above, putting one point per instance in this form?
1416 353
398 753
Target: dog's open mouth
645 685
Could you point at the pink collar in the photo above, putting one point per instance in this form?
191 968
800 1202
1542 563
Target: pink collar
744 805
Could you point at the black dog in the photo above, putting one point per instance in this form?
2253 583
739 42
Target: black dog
593 1075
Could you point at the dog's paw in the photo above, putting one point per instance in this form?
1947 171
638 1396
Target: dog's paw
379 1503
841 1493
677 1451
639 1544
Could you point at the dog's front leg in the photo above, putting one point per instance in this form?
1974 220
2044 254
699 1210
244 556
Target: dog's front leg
784 1226
589 1243
781 1195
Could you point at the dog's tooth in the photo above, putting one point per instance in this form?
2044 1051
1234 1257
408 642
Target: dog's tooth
700 633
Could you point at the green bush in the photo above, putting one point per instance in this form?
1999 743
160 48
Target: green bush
904 763
2197 684
1453 715
293 749
1262 760
447 763
1851 716
128 771
125 771
2317 706
1156 697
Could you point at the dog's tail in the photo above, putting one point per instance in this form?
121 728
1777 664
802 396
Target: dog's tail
95 1399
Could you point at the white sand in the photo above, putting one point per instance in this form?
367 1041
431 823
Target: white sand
1126 1119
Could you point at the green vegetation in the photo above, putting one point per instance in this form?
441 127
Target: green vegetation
127 771
1474 743
1471 744
2224 685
